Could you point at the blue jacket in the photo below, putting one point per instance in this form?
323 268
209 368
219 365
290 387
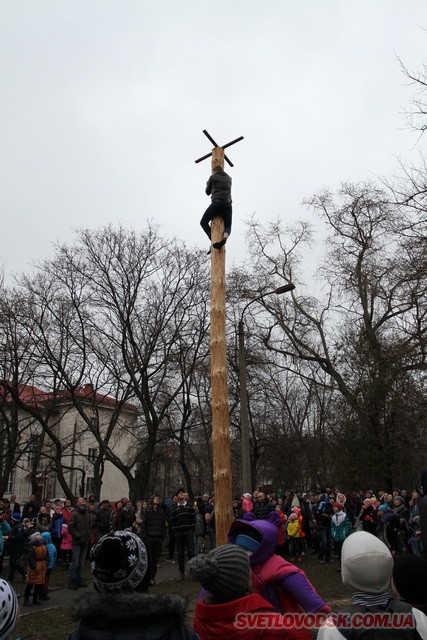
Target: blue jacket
51 564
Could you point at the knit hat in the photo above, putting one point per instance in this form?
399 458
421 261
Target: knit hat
383 508
410 579
16 517
366 563
224 572
338 505
119 562
8 609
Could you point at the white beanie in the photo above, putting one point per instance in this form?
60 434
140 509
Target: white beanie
366 563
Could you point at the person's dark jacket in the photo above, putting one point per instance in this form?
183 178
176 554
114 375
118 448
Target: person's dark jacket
79 526
104 520
130 616
125 519
183 518
17 538
26 512
154 523
262 509
219 186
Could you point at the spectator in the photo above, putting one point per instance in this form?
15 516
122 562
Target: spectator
366 569
37 566
225 574
79 527
121 609
9 610
183 523
153 531
283 584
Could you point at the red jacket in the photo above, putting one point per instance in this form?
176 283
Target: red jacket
213 621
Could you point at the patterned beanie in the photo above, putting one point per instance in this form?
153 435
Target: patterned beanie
8 609
119 562
224 572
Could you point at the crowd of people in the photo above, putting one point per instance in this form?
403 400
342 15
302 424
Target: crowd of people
260 570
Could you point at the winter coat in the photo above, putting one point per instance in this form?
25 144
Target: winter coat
37 562
17 538
130 616
154 523
43 522
57 521
293 529
104 521
281 583
340 526
79 527
51 550
67 539
213 621
262 509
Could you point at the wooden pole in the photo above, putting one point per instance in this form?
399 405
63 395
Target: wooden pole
220 416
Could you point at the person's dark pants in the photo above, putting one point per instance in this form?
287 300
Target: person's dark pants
220 208
325 543
78 556
171 544
15 565
154 550
184 543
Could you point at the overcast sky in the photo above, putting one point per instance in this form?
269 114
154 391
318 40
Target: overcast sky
103 103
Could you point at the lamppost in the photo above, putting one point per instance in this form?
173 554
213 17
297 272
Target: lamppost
244 422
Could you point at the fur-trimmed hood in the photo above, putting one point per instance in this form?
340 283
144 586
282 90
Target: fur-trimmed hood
128 608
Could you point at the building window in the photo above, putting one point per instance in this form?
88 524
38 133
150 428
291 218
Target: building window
90 486
92 454
10 481
34 449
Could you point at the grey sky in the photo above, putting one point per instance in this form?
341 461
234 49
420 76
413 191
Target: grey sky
103 103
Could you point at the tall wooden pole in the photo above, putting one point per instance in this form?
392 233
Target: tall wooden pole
220 416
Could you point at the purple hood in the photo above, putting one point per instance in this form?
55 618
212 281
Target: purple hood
262 531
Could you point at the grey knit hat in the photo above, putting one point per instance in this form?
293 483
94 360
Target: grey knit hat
224 572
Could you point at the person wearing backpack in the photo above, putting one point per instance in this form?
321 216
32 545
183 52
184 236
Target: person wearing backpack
366 568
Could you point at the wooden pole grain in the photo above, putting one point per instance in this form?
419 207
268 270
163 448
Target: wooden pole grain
220 414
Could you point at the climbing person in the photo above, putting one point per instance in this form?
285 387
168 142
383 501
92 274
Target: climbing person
219 188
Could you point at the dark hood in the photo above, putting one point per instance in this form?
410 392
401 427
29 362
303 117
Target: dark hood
265 534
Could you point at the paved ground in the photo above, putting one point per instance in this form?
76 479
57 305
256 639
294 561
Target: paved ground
63 597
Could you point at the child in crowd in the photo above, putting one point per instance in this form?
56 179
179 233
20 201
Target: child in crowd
66 545
37 566
283 584
340 528
51 564
225 575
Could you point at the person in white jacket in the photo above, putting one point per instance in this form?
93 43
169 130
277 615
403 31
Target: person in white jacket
366 568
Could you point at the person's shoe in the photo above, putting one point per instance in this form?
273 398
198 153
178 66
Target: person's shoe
44 597
219 245
322 561
152 581
81 583
36 602
73 586
181 576
27 603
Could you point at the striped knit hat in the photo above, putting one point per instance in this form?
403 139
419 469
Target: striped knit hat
8 609
224 572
